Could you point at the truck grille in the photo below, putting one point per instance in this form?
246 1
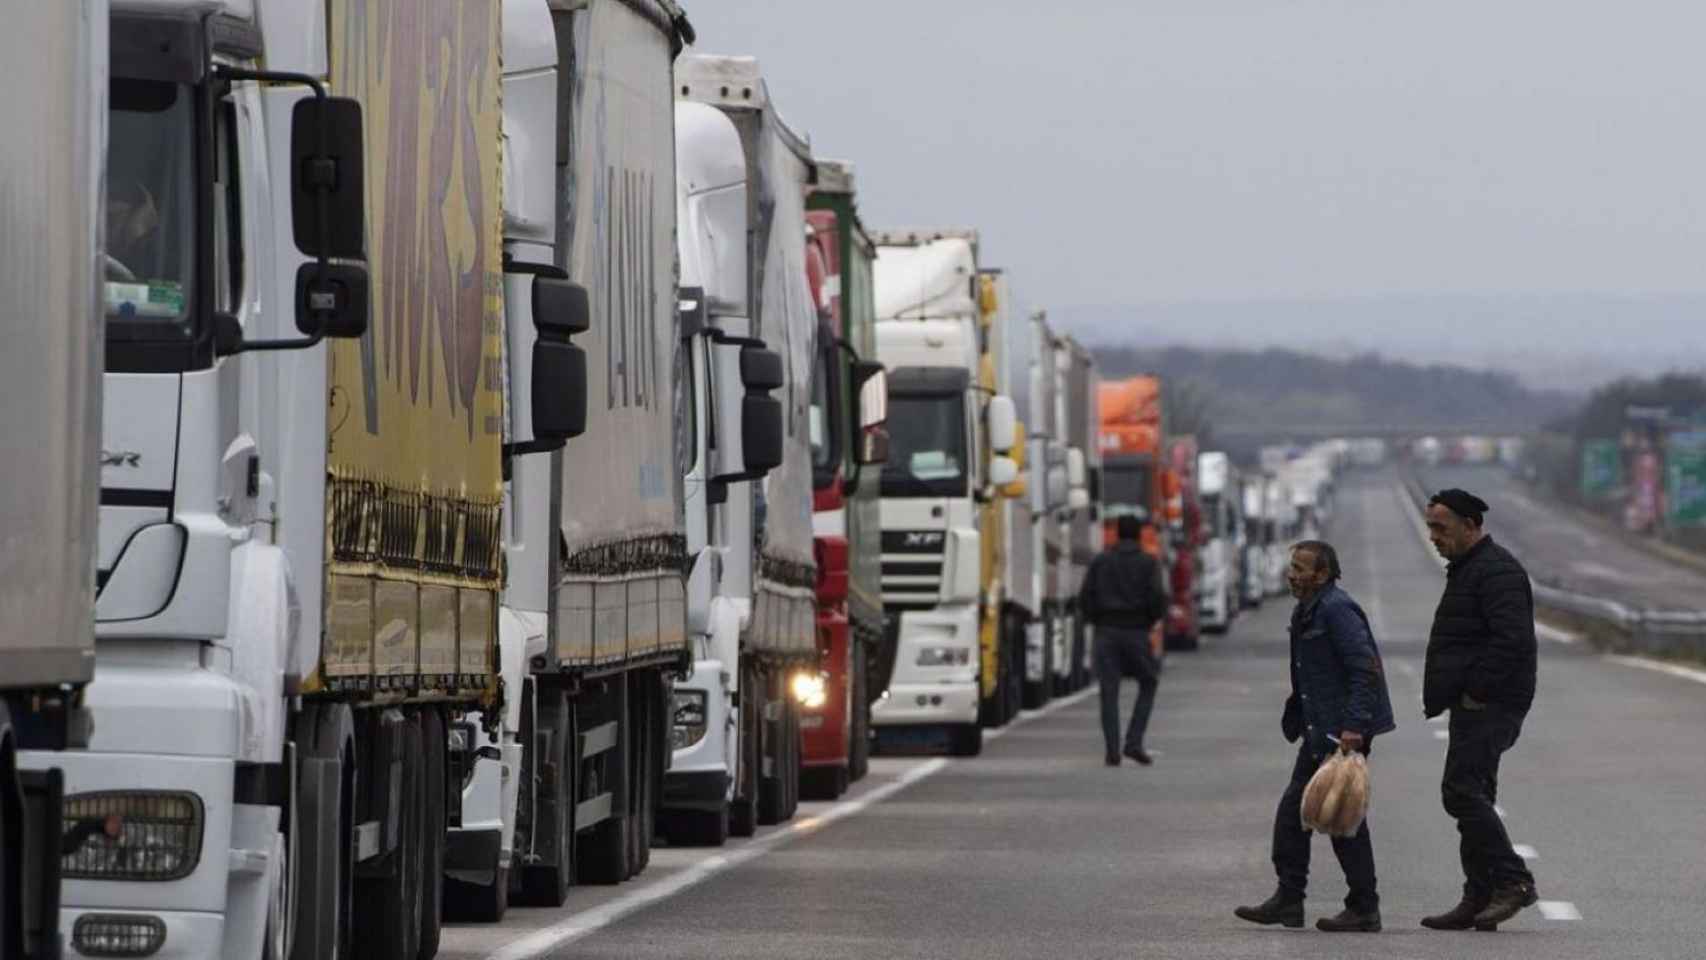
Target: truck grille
912 568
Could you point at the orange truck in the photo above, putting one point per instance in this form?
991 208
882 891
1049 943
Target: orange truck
1143 475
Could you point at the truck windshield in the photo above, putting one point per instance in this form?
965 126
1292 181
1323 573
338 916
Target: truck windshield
927 446
150 215
822 422
1125 490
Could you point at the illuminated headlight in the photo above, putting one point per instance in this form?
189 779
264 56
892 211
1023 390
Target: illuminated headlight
810 689
118 935
689 719
133 835
944 656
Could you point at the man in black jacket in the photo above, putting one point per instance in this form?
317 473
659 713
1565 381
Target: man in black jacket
1123 597
1481 667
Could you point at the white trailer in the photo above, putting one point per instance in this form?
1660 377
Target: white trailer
53 62
1221 553
741 193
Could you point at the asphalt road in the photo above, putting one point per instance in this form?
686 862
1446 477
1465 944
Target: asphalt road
1563 551
1037 850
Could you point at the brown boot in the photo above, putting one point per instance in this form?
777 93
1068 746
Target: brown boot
1349 921
1460 917
1505 904
1278 909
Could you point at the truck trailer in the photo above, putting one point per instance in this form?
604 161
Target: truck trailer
950 440
53 59
741 187
1222 553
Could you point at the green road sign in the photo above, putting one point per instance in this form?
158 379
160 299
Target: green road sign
1602 468
1685 478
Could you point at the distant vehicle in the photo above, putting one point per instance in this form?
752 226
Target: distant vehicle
1221 552
1259 535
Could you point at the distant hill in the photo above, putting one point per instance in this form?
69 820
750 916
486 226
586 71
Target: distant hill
1244 393
1574 342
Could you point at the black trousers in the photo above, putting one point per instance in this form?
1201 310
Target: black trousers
1122 652
1469 789
1291 843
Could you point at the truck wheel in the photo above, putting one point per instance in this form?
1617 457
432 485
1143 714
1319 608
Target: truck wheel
603 854
743 810
1015 665
433 825
965 740
859 736
546 882
772 756
324 786
388 916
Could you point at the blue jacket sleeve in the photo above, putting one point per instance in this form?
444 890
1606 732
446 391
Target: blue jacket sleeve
1355 649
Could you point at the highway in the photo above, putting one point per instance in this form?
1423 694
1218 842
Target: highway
1037 850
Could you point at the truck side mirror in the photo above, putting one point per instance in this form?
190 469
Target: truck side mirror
327 178
560 309
873 381
1002 470
760 413
332 299
1001 419
1075 469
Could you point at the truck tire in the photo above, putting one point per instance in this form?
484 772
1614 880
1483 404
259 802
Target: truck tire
545 882
1015 641
603 854
965 740
324 788
388 913
434 748
778 792
743 809
859 736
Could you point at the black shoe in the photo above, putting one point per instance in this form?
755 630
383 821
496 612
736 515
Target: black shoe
1460 917
1349 921
1136 753
1275 909
1505 904
1112 760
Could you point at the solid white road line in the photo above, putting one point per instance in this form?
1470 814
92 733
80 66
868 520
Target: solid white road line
1524 851
1559 910
1546 631
583 923
1499 810
1409 510
1659 666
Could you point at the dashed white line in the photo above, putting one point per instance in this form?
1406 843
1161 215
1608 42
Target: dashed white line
1546 631
1525 851
587 922
1559 910
1442 734
1499 810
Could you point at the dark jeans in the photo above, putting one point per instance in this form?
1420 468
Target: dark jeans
1122 652
1291 843
1470 787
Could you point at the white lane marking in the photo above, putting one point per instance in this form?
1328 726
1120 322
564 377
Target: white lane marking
1499 810
1524 851
1659 666
583 923
1546 631
1408 509
1559 910
1440 718
1442 734
1407 669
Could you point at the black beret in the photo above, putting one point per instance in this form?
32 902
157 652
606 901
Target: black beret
1463 503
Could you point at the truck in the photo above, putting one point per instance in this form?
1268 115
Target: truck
1221 555
951 436
1259 535
741 186
345 564
561 783
848 435
52 163
1081 397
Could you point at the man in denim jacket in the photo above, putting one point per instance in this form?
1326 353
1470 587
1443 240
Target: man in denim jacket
1338 692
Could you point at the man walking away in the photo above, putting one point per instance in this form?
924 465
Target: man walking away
1123 597
1480 666
1338 686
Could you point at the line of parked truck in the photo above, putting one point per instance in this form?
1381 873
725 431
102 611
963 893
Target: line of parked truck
513 448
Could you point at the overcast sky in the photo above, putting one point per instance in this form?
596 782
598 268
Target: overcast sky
1147 152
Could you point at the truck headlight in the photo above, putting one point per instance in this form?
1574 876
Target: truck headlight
689 726
944 656
133 835
810 689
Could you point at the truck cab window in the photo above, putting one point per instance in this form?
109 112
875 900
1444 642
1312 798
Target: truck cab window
927 446
227 215
150 214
